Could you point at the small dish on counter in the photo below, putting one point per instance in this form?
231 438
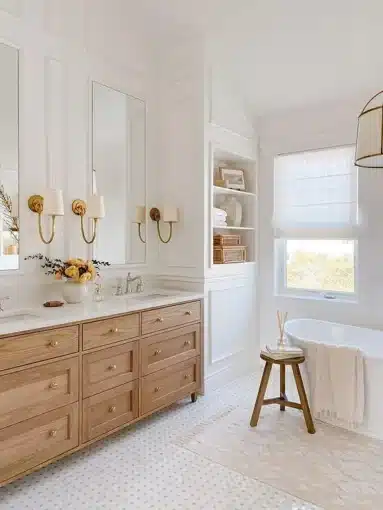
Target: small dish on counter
53 304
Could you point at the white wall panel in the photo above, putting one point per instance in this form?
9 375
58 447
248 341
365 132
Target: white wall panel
229 310
55 130
14 7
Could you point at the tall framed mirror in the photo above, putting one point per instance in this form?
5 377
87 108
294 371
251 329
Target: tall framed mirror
9 158
118 172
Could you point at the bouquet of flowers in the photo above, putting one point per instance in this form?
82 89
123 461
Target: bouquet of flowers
75 270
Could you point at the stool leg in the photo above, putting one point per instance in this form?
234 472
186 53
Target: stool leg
303 399
282 376
261 394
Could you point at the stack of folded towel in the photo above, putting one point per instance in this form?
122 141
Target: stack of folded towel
219 217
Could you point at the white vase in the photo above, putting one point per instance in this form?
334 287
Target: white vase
74 292
233 209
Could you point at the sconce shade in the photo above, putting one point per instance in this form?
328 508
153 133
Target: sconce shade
140 214
95 206
369 142
170 214
53 202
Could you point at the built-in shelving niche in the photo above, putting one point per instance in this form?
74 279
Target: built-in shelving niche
248 199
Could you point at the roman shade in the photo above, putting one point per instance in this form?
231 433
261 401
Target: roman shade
316 194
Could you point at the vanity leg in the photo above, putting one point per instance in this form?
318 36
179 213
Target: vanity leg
194 397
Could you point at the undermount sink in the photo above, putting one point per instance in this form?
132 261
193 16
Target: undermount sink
19 316
154 295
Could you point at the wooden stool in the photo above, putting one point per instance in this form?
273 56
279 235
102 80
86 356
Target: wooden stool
282 399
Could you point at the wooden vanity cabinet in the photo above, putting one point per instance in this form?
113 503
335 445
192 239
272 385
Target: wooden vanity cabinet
65 387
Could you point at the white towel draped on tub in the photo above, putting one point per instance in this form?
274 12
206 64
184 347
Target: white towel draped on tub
336 379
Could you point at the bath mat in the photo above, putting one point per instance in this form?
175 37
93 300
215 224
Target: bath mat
334 469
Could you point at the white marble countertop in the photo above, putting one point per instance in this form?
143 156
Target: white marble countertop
17 321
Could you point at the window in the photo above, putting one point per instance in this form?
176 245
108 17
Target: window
315 222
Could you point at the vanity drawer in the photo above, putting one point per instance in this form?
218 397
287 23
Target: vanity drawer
170 348
109 331
34 391
170 384
32 442
114 366
21 350
109 410
170 317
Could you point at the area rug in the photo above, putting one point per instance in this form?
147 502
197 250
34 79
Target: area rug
334 468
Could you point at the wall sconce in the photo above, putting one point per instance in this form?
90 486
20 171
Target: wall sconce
51 204
95 209
170 215
140 219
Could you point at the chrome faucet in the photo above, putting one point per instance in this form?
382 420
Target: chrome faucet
130 280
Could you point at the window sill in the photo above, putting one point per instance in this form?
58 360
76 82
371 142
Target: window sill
307 297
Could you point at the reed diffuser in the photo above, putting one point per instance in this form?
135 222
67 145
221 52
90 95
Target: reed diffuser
282 318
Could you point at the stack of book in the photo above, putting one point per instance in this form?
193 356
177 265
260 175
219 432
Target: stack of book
282 352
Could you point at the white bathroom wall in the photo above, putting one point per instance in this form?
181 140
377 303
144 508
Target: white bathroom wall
63 46
180 163
322 126
200 108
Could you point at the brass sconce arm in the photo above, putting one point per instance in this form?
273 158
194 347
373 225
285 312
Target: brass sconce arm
155 215
140 234
53 230
170 232
79 209
36 205
91 240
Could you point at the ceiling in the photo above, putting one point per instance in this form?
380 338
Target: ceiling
281 54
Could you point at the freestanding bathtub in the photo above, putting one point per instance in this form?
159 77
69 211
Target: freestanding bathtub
369 341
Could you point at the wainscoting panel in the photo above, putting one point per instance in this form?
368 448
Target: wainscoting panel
229 312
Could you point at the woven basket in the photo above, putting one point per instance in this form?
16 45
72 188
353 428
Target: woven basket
229 254
227 240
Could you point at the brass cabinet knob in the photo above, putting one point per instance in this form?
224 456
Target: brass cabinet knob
188 312
157 352
156 389
53 385
113 330
52 433
186 376
160 319
112 409
112 367
53 343
187 342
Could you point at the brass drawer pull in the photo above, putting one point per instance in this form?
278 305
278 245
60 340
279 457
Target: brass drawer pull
53 343
112 367
187 342
113 330
160 319
112 409
188 312
53 385
186 376
156 389
157 352
52 433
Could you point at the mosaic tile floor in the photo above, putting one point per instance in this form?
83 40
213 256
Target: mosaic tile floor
149 466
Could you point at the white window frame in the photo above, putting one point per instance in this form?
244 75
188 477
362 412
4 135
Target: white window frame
281 289
280 270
